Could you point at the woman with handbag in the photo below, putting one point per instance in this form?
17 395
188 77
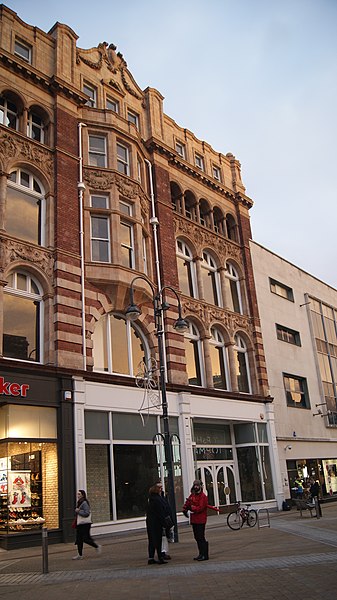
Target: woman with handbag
83 525
155 522
168 530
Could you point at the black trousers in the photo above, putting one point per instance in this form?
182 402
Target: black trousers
199 534
154 534
83 537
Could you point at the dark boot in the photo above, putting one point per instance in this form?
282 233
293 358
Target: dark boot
204 555
200 551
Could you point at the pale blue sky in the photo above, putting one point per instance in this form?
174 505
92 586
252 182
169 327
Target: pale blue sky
257 78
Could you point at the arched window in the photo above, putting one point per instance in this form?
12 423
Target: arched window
231 228
22 315
219 360
211 281
25 207
190 206
219 221
193 353
36 125
242 365
205 213
186 270
235 289
118 346
8 113
176 196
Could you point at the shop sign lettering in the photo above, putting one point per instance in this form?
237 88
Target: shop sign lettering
13 389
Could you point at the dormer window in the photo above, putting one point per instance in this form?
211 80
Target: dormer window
216 173
112 104
133 118
199 162
181 149
23 50
90 91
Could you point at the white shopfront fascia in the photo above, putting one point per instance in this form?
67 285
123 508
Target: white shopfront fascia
184 406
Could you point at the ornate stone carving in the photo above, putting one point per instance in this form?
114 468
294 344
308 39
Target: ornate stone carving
127 188
13 147
144 203
39 156
201 237
11 250
190 305
99 180
181 226
8 147
209 314
106 54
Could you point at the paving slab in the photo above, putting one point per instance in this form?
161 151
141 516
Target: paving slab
296 557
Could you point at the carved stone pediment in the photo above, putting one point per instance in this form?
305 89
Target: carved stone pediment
114 85
105 54
11 146
11 250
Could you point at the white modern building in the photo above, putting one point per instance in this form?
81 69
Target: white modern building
299 326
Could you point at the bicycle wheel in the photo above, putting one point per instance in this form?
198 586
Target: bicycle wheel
252 518
234 520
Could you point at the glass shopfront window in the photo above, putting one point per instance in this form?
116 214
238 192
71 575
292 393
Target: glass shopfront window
28 486
250 480
123 459
254 462
28 469
135 468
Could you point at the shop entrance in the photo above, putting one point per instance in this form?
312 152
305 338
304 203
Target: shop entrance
219 482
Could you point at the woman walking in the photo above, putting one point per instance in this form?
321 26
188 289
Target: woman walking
83 525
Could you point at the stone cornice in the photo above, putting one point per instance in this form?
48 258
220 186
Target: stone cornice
175 160
54 84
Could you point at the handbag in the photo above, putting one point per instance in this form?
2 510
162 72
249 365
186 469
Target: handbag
168 522
84 520
74 523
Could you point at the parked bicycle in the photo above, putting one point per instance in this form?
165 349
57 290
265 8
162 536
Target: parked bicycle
241 515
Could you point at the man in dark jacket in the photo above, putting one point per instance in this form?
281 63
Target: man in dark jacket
155 521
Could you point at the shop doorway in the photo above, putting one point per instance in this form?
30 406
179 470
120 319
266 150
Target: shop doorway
219 482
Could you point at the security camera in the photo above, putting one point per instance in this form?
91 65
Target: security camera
289 447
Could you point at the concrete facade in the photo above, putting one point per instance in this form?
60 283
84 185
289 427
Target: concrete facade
306 435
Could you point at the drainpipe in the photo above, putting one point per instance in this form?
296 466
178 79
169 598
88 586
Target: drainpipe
154 222
81 188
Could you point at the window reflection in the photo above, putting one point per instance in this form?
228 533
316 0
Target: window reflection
24 206
21 319
118 346
193 356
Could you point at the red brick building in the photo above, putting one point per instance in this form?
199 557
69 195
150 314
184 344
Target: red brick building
103 194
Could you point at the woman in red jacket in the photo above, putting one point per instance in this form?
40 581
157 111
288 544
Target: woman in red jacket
197 504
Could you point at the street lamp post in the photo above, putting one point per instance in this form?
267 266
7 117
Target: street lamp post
132 313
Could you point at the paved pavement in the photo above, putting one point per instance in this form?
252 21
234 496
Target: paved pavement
294 558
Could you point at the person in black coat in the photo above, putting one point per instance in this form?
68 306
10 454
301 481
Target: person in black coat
315 493
155 521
